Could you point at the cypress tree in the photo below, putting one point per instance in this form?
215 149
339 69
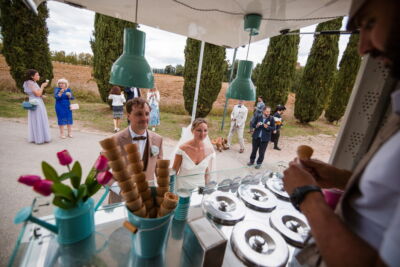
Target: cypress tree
25 40
211 75
107 46
344 81
318 74
277 69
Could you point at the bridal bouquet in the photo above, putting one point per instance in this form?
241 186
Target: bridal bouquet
65 196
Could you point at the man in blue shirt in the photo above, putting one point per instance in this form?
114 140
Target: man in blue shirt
263 126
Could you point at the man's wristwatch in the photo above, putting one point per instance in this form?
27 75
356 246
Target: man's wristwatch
299 194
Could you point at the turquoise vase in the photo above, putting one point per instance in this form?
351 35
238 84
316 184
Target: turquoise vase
75 224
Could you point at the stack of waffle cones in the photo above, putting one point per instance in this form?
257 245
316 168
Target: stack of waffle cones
166 201
132 181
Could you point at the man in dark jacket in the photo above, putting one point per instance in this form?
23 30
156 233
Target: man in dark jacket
263 127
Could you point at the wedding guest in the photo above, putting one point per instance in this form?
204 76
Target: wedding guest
278 125
258 111
153 98
118 100
238 121
38 122
150 144
264 125
132 92
63 95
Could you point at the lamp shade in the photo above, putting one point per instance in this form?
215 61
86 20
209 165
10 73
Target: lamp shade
242 87
131 68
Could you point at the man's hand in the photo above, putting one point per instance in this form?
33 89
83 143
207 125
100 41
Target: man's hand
326 175
296 176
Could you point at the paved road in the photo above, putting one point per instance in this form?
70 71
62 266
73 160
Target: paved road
18 157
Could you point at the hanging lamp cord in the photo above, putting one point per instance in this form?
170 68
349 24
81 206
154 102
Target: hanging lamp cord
248 47
137 4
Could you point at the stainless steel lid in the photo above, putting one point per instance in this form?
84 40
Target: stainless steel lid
276 186
254 243
257 197
292 225
225 185
223 208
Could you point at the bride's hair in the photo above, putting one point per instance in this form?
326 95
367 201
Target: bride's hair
197 122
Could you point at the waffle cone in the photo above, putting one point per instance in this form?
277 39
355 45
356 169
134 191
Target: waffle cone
304 152
134 157
159 200
141 212
161 190
163 163
142 186
149 204
131 195
163 182
135 204
117 165
162 172
135 168
121 175
113 154
139 178
108 143
170 200
131 148
126 186
146 194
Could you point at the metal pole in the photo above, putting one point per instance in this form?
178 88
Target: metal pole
196 92
230 80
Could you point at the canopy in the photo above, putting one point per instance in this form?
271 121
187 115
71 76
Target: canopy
218 22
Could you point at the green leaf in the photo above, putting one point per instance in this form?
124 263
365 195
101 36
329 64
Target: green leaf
63 203
92 188
65 176
49 172
82 192
91 176
62 190
77 169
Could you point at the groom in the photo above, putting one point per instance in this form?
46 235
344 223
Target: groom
149 143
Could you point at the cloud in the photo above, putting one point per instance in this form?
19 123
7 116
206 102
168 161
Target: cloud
70 29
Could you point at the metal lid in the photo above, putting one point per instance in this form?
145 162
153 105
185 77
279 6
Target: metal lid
223 208
257 197
225 185
276 186
257 244
250 179
292 225
235 184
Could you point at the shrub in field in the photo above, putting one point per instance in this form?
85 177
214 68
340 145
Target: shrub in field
211 76
107 47
317 79
275 75
344 81
25 43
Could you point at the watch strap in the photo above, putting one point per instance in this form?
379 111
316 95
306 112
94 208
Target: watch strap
299 194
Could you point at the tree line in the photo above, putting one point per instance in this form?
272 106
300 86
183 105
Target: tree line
319 86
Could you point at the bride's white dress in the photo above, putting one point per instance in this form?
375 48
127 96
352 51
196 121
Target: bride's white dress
192 175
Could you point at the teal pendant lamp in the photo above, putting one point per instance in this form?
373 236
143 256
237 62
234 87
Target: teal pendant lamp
242 86
131 68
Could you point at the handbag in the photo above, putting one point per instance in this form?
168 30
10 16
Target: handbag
28 106
74 106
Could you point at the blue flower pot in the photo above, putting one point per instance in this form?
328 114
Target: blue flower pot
75 224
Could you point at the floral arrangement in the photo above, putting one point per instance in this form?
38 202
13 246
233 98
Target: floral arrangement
66 197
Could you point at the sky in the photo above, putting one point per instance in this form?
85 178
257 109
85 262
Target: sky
70 30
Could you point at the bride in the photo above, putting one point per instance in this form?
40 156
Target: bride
194 156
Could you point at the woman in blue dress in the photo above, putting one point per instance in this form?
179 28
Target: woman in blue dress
38 123
63 95
153 98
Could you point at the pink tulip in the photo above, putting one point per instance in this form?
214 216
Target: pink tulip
29 179
43 187
101 163
104 177
64 157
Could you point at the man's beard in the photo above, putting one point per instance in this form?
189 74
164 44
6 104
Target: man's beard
392 49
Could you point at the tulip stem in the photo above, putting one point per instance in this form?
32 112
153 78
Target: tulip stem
69 169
